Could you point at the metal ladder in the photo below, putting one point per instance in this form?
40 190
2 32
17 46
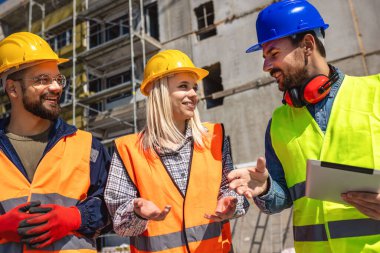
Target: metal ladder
258 227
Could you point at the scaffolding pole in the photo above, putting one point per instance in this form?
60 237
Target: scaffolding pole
74 60
30 16
42 7
131 34
142 31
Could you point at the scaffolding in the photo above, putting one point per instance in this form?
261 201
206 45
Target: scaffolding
121 51
127 52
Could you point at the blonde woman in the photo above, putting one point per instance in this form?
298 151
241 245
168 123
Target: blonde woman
167 187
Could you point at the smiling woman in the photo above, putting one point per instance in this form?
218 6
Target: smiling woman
172 105
170 82
182 89
174 171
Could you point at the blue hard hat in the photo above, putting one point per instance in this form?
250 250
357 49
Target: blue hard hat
286 18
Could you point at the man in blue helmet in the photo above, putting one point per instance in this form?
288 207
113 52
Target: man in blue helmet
315 122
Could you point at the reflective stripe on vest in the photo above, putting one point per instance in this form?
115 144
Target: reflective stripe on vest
10 203
174 240
10 247
297 191
154 183
355 113
43 198
62 177
70 242
352 228
338 229
310 233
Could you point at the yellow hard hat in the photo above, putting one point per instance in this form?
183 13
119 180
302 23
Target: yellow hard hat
168 62
24 47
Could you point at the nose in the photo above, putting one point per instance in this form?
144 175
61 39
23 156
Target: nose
192 93
54 86
267 66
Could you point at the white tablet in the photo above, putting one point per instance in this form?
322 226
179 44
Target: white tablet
326 181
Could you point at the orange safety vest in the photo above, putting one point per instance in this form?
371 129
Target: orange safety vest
184 229
62 177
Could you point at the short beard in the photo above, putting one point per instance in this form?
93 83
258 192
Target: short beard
300 76
38 109
296 79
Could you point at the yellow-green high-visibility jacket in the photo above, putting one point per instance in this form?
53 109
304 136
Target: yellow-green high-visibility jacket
352 137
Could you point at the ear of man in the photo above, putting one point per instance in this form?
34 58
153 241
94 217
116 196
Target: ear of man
10 88
308 43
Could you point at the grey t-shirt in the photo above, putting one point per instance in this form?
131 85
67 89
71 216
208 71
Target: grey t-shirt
29 149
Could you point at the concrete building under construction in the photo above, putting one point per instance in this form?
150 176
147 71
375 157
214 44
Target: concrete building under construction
109 43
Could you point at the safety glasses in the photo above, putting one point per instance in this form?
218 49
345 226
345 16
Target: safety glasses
46 79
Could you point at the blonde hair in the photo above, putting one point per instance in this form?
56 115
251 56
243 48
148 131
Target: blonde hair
160 130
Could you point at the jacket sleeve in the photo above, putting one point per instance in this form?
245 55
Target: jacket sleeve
242 204
119 195
94 214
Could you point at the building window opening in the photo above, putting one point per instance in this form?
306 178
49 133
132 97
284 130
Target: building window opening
117 80
95 85
95 34
61 40
211 84
117 27
103 32
205 18
151 20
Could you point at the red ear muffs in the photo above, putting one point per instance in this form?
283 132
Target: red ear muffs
314 92
316 89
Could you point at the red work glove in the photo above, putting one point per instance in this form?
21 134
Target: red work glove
9 221
47 228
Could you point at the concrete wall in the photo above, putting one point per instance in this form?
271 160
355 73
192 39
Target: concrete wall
175 22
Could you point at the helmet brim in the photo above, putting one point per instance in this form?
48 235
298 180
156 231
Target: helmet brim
258 46
254 48
146 85
16 67
62 60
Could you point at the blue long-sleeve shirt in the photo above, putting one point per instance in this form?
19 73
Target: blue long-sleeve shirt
278 196
94 214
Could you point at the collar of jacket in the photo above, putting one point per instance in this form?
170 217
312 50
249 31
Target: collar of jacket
60 130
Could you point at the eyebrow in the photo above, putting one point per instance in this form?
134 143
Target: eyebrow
188 82
38 73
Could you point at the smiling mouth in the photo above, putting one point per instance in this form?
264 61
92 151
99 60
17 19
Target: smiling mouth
51 100
189 104
277 75
279 79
